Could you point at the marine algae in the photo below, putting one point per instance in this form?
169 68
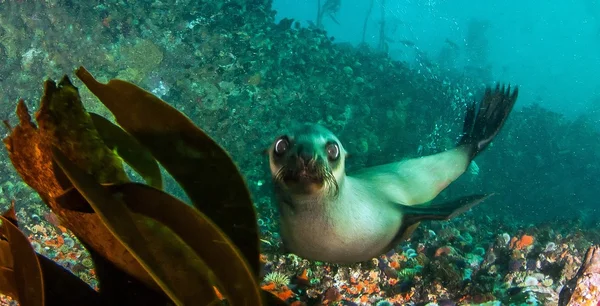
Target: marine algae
139 229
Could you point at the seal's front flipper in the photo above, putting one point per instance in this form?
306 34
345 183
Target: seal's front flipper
483 124
441 211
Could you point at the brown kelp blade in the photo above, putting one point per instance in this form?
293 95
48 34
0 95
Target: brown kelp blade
62 121
173 266
64 288
199 232
60 286
25 273
129 149
202 168
117 287
8 284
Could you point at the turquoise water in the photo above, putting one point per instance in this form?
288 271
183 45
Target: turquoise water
392 80
550 51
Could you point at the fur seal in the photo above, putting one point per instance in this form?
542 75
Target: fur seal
329 216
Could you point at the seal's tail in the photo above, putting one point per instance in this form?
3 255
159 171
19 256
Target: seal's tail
483 124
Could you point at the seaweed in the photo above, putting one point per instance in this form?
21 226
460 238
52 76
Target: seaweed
20 273
149 248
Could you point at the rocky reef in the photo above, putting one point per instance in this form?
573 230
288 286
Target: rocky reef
243 78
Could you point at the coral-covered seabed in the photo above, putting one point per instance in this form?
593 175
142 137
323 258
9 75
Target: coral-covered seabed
241 77
461 261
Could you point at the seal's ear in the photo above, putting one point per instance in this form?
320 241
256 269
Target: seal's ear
348 155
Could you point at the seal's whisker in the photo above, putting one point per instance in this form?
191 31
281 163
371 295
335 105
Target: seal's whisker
312 164
330 180
280 173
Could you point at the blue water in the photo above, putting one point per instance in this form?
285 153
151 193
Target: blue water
550 48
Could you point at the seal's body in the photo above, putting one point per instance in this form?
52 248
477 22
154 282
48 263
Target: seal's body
359 224
329 216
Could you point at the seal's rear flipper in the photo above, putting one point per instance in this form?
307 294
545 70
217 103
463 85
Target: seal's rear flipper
423 178
483 124
441 211
414 214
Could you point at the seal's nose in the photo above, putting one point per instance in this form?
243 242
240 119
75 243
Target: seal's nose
306 154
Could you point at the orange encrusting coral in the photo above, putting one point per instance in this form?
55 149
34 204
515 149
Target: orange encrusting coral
521 243
269 287
303 277
283 292
364 290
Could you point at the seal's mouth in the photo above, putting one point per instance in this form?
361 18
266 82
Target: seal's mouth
310 178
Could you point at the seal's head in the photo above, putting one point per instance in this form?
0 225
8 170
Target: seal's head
308 160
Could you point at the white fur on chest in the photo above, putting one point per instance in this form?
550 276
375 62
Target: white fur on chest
357 226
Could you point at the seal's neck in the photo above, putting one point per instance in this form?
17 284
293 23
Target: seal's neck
319 202
313 203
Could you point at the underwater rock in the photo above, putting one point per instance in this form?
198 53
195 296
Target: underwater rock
584 288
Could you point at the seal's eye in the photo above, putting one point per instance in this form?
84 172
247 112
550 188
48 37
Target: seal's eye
333 151
281 145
